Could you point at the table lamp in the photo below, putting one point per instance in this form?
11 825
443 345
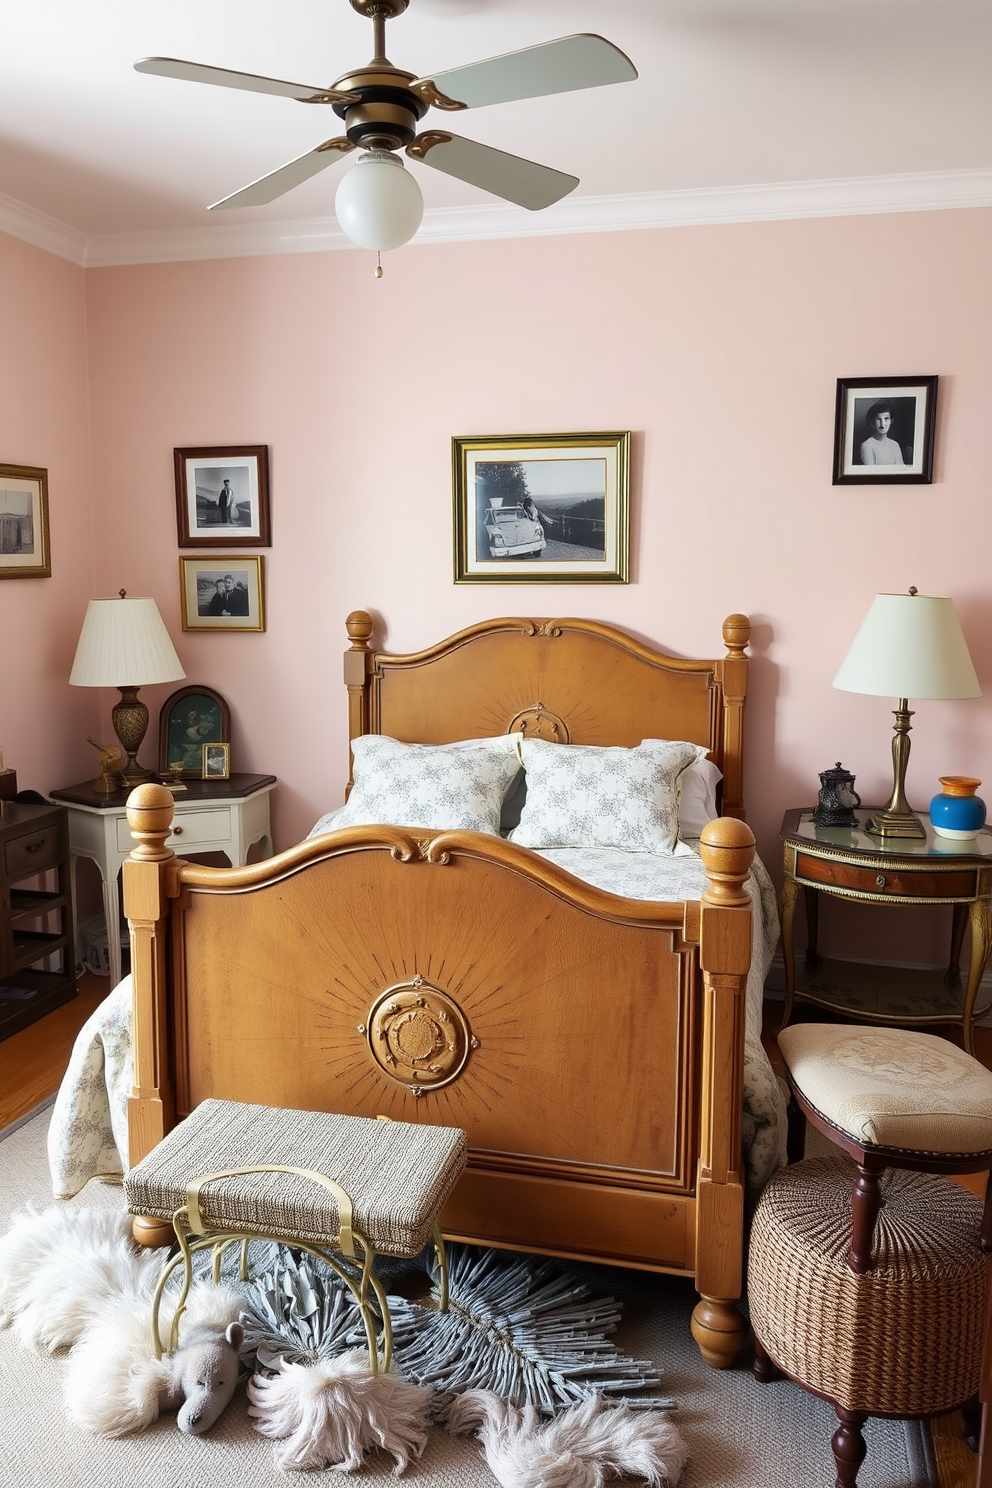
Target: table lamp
124 644
909 645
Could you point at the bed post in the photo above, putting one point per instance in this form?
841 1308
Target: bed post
733 668
356 671
727 849
151 1109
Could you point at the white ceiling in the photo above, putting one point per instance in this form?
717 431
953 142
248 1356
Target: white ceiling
742 108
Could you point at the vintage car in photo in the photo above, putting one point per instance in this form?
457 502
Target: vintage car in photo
511 533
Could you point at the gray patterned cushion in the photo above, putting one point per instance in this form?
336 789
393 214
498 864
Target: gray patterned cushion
443 786
579 795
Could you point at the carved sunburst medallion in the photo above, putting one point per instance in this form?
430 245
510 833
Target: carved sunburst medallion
418 1035
539 722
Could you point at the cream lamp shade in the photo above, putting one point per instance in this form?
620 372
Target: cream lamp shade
124 644
909 645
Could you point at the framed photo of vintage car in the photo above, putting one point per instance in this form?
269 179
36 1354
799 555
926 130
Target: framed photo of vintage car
883 431
222 496
25 551
191 719
541 508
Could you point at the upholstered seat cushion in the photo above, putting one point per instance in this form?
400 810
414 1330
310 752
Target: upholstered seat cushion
892 1087
397 1174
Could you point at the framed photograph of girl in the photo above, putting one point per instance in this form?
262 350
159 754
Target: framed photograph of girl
883 431
222 496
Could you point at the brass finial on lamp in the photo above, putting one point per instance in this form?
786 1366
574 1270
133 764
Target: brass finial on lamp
909 645
124 644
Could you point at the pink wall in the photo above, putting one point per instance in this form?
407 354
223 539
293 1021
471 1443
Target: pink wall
44 421
719 347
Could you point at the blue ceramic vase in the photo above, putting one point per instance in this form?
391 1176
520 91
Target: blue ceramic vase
957 811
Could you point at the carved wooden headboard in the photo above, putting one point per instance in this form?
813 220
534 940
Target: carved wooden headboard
572 681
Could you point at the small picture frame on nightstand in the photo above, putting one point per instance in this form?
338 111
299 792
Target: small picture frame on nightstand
216 761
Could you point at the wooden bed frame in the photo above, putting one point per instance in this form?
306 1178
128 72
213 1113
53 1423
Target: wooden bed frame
591 1046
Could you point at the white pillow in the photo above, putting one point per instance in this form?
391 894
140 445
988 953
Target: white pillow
697 801
581 795
442 786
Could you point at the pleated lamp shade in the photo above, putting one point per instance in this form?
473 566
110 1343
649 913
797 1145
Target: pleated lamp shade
124 643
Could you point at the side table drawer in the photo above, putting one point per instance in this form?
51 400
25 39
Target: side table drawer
885 883
33 852
191 830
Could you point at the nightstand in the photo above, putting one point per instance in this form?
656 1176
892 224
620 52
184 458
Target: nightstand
846 863
227 816
35 914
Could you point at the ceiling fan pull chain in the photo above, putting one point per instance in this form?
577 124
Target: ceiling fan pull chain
378 264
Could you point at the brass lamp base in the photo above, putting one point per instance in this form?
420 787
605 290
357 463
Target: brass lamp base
895 824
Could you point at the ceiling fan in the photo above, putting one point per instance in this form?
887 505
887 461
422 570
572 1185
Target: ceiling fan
381 106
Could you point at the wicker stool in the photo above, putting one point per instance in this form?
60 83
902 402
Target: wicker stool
343 1188
867 1283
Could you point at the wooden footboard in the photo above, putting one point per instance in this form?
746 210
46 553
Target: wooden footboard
591 1046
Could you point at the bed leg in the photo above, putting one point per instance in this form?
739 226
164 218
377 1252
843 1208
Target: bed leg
152 1233
719 1330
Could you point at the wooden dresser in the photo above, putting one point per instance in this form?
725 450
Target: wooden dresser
37 956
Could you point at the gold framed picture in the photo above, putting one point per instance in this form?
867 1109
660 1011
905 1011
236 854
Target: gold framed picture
222 593
216 762
541 508
25 551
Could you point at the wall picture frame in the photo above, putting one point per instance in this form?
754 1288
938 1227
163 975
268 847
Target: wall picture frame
25 547
222 496
216 762
884 431
191 719
223 592
541 508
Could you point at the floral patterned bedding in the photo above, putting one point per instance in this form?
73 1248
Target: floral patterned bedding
88 1133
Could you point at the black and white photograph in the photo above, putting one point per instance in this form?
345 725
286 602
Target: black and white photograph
884 430
216 764
25 552
222 593
541 508
222 496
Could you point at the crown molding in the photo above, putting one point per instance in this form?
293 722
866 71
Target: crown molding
781 201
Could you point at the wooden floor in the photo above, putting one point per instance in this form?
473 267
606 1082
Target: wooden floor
33 1062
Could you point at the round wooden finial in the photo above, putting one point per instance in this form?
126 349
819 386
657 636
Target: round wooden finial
726 847
736 633
150 809
359 628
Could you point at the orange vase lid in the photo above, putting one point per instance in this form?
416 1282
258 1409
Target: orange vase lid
959 785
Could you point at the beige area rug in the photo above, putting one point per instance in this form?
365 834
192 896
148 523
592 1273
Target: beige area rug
740 1434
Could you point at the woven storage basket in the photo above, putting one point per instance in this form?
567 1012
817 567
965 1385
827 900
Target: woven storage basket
904 1339
397 1174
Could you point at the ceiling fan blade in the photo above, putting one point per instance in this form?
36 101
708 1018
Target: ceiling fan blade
224 77
509 176
293 173
561 66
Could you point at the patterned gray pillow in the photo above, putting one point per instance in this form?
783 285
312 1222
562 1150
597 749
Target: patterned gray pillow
579 795
443 786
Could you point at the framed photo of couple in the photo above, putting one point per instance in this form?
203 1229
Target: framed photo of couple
222 592
883 431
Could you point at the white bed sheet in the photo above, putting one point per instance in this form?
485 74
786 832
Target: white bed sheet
88 1133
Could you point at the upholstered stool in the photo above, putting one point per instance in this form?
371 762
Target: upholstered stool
867 1283
343 1188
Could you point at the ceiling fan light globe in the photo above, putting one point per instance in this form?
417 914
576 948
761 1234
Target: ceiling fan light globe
378 203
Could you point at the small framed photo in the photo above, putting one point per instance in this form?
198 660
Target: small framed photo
191 719
541 508
25 552
222 593
216 762
883 431
222 496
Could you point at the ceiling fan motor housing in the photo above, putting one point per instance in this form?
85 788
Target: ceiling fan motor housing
388 111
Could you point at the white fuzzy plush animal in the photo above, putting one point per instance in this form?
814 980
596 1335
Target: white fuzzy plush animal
73 1278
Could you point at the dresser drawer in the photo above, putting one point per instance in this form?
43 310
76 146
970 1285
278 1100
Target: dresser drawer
42 848
882 883
192 831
